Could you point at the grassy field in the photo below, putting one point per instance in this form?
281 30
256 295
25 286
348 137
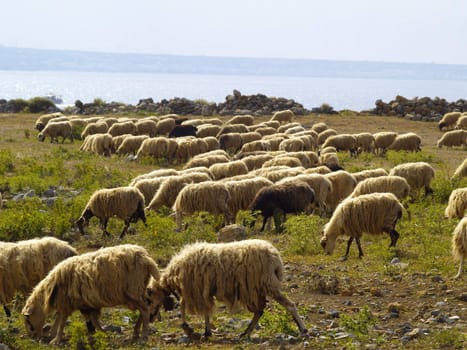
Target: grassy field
367 303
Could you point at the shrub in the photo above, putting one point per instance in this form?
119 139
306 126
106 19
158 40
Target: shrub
302 231
17 105
40 105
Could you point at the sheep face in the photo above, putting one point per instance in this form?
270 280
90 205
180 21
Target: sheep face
41 137
34 319
328 244
157 297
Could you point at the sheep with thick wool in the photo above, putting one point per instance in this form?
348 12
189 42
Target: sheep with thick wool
453 138
279 174
461 123
206 130
253 162
158 147
131 144
417 174
241 119
23 264
120 128
365 142
383 140
459 244
266 131
254 146
100 144
371 213
343 184
342 142
126 203
44 119
232 128
230 142
165 126
457 203
321 169
209 196
54 130
461 170
294 144
149 187
206 160
107 277
99 127
240 274
153 174
406 142
368 173
232 168
171 187
242 193
449 120
324 135
146 127
291 197
330 160
319 127
284 116
283 160
117 141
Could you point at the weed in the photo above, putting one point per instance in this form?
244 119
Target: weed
303 231
359 324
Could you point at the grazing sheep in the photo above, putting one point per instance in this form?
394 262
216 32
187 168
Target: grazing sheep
198 169
417 174
322 136
110 121
292 145
383 140
121 128
461 123
126 203
157 147
366 174
329 149
54 130
309 142
242 193
322 169
153 174
406 142
105 278
459 244
343 184
98 127
396 185
279 174
319 127
457 204
232 128
232 168
241 119
294 130
42 121
318 183
117 141
183 130
26 263
283 128
342 142
100 144
253 162
449 120
230 142
146 127
131 144
189 147
170 188
209 196
285 116
149 187
254 146
371 213
239 274
461 170
266 131
206 161
453 138
283 160
212 142
165 126
330 160
365 142
208 130
250 136
290 197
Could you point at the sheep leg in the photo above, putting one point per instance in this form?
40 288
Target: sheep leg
360 251
60 325
349 243
254 321
179 221
264 223
186 328
394 237
7 311
461 268
104 226
127 224
207 327
290 307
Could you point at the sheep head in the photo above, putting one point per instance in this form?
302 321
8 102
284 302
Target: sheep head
41 137
328 244
34 319
157 296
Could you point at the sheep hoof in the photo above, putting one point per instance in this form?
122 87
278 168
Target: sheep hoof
187 329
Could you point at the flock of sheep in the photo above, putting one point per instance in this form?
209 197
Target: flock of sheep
270 169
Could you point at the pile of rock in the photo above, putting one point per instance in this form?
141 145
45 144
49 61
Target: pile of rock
424 108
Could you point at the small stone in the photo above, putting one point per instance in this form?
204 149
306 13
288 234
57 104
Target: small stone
333 313
414 333
437 279
454 318
395 261
435 313
184 340
440 303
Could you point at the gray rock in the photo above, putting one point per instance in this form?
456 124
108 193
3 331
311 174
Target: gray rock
231 233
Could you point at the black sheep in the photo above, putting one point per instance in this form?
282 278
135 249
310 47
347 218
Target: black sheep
291 197
183 130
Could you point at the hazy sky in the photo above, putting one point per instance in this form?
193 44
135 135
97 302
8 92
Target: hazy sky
368 30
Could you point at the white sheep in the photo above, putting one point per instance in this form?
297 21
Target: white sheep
371 213
453 138
266 131
131 144
396 185
43 120
457 203
206 160
343 184
232 168
459 244
209 196
241 119
153 174
206 130
366 174
319 127
240 274
105 278
461 170
284 116
165 126
146 127
417 174
253 162
449 120
365 142
342 142
158 147
100 144
232 128
406 142
120 128
287 126
126 203
462 122
330 160
254 146
99 127
383 140
54 130
322 136
23 264
292 145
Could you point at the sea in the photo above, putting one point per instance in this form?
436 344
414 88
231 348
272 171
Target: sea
129 88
